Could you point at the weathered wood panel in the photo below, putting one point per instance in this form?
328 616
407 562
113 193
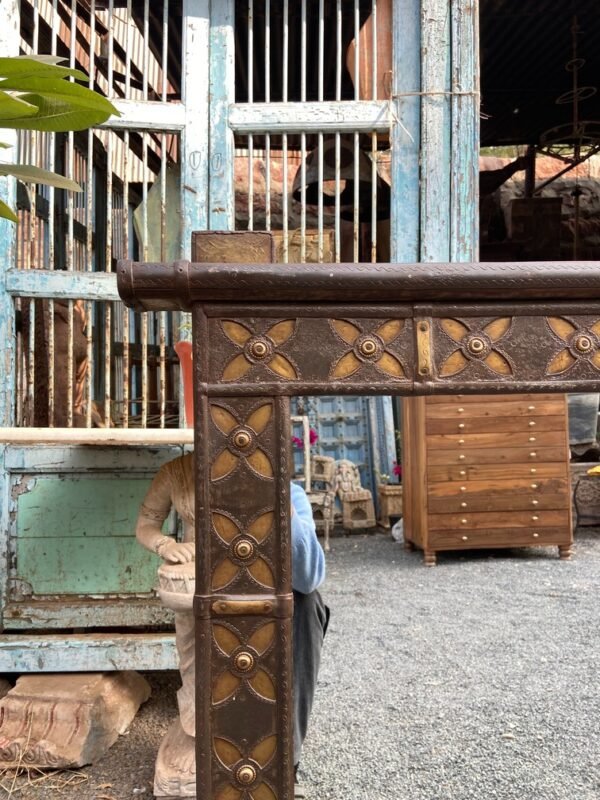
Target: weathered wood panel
87 652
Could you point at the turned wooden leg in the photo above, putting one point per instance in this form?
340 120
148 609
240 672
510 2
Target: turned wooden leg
429 558
565 551
408 545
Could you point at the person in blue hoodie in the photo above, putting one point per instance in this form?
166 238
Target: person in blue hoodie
173 487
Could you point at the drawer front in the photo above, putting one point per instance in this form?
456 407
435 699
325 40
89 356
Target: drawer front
489 472
499 537
470 441
468 425
491 398
473 521
506 501
517 408
512 455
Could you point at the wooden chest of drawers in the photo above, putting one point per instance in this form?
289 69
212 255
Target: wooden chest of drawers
486 471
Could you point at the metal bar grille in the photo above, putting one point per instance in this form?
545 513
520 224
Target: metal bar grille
84 362
313 131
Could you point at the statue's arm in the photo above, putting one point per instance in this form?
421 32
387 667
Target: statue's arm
153 512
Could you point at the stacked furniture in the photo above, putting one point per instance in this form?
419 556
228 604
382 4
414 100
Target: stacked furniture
486 472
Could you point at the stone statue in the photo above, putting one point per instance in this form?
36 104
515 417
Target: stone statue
173 486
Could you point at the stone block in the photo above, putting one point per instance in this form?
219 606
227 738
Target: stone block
67 720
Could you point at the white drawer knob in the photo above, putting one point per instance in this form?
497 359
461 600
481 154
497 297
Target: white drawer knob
465 538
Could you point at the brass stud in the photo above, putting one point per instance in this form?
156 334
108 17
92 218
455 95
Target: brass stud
242 439
244 662
246 775
368 347
259 349
244 549
476 346
583 344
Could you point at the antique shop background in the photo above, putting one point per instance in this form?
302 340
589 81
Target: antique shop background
235 114
90 390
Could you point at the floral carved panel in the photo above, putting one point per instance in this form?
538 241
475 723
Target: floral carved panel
304 352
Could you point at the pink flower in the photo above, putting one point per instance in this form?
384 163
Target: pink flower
313 436
297 441
397 470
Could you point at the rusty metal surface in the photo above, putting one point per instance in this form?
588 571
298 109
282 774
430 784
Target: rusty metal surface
156 286
263 333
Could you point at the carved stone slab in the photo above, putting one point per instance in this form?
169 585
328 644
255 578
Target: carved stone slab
67 720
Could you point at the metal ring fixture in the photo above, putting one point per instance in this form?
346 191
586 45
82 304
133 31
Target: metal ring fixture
476 346
242 439
368 347
583 344
246 775
244 549
244 661
259 349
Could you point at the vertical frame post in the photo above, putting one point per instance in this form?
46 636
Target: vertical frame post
243 603
194 138
221 200
464 231
9 46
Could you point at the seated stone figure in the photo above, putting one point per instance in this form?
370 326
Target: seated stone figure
173 487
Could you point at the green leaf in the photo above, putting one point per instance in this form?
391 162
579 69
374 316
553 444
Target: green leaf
56 114
12 107
26 66
7 213
27 172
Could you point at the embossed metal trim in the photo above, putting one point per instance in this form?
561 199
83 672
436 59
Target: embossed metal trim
152 287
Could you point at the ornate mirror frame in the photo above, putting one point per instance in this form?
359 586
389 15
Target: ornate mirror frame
262 334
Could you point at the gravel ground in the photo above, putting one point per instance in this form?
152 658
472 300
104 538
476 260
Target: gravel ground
475 680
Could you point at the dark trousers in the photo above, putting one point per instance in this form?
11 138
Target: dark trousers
311 617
